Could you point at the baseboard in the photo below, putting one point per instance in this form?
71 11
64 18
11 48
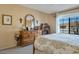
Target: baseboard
9 47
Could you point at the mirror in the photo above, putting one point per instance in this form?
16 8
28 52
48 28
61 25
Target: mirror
29 21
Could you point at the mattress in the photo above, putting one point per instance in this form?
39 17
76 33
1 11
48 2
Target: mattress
57 43
67 38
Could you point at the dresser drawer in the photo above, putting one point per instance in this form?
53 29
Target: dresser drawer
26 38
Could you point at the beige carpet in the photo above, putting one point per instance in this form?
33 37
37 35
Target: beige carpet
19 50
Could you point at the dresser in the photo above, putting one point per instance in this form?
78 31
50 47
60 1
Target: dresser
26 38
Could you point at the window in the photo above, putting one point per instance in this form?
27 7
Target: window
64 25
69 25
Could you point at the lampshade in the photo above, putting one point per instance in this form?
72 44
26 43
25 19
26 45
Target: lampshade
24 27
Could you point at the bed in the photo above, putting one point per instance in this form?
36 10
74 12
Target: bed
57 44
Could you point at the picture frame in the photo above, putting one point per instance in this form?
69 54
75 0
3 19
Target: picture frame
6 20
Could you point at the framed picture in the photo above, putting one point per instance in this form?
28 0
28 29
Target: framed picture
6 19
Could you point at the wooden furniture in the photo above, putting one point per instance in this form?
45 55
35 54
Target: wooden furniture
45 28
26 38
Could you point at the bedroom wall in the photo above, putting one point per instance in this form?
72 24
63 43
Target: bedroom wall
65 14
7 32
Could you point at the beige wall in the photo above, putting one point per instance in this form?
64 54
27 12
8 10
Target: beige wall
7 32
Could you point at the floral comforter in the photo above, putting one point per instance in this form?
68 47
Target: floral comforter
44 45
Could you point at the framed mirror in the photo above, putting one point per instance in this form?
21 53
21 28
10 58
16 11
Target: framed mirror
29 21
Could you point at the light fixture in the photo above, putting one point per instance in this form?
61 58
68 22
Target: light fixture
20 20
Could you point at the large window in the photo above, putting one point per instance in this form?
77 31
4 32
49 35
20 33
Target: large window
64 25
69 25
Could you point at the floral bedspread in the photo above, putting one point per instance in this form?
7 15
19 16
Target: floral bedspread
46 46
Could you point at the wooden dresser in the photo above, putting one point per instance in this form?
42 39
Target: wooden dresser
26 38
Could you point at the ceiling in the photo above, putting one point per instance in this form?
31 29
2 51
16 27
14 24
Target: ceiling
50 8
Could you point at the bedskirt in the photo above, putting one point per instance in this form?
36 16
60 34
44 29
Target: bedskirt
47 46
